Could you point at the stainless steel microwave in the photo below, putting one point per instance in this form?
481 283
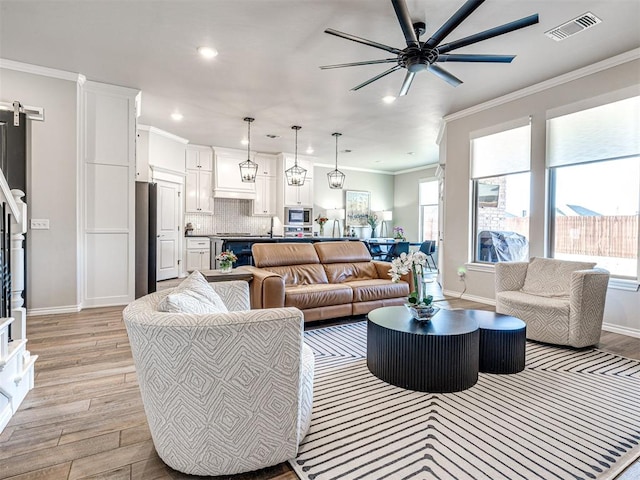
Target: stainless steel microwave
298 216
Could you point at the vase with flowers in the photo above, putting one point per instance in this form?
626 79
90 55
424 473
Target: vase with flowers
398 233
321 221
226 259
419 303
373 221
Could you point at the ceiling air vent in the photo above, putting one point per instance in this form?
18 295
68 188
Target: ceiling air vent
572 27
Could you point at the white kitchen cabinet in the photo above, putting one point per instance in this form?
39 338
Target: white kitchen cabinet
301 196
266 185
298 196
199 165
227 180
265 202
267 165
198 197
198 157
198 254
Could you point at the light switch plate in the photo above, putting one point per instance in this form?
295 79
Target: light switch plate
39 224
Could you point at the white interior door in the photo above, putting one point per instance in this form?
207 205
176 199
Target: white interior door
169 207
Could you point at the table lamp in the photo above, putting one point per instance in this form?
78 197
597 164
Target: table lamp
337 215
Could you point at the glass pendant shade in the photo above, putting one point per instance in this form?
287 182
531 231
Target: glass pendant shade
336 177
248 169
296 174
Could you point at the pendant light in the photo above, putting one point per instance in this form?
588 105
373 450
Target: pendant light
248 168
296 175
336 177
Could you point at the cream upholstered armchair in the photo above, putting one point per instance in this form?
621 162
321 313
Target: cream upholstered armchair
562 302
223 393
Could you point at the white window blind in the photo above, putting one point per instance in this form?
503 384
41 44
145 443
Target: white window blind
600 133
429 193
501 153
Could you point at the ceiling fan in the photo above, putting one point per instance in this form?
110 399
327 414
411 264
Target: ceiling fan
419 56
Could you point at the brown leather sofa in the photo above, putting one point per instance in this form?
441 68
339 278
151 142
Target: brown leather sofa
323 279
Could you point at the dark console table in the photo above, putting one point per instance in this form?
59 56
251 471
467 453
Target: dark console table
439 356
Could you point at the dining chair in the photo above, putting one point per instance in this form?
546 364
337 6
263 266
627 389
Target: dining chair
396 249
428 247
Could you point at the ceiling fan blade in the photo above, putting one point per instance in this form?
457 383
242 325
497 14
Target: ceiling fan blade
377 77
444 75
356 64
459 57
492 32
407 83
406 24
455 20
364 41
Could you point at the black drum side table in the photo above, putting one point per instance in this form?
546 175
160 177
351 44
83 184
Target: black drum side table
503 342
439 356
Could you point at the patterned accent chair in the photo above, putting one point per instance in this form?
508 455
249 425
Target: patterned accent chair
562 302
224 393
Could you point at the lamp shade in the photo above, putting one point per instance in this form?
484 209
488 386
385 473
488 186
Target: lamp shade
336 214
387 215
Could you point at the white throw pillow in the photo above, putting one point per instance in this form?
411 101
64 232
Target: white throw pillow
193 295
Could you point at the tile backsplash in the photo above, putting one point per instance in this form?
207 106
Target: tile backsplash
231 215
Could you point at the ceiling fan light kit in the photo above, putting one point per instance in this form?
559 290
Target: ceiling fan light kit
248 169
336 177
420 56
296 175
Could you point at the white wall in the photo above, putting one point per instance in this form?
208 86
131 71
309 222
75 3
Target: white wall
51 187
379 184
406 201
622 306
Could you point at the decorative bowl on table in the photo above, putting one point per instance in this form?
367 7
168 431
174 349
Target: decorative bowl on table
421 313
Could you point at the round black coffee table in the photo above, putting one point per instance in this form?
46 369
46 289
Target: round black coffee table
439 356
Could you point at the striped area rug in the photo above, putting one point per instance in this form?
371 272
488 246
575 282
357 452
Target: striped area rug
569 415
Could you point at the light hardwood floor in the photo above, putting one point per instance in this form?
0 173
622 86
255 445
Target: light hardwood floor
84 418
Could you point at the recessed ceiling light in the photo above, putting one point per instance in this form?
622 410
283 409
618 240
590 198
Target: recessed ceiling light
309 150
411 153
389 99
244 141
207 52
176 116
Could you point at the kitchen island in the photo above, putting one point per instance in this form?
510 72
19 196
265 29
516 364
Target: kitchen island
241 246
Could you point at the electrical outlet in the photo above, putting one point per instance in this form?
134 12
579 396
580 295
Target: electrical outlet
462 273
39 224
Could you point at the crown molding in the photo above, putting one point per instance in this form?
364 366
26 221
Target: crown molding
42 71
417 169
353 169
162 133
110 88
547 84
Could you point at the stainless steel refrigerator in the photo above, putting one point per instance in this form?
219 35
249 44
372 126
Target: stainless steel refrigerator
146 241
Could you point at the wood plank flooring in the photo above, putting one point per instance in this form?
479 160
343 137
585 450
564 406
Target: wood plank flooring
84 419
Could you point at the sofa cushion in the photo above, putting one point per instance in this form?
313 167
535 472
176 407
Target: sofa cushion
193 295
280 254
342 252
318 295
367 290
550 277
301 274
547 318
346 272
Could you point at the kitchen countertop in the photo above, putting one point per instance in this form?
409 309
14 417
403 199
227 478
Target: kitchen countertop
267 238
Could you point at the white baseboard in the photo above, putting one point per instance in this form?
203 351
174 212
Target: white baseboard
466 296
34 312
630 332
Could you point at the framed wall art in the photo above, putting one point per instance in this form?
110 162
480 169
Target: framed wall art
357 206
